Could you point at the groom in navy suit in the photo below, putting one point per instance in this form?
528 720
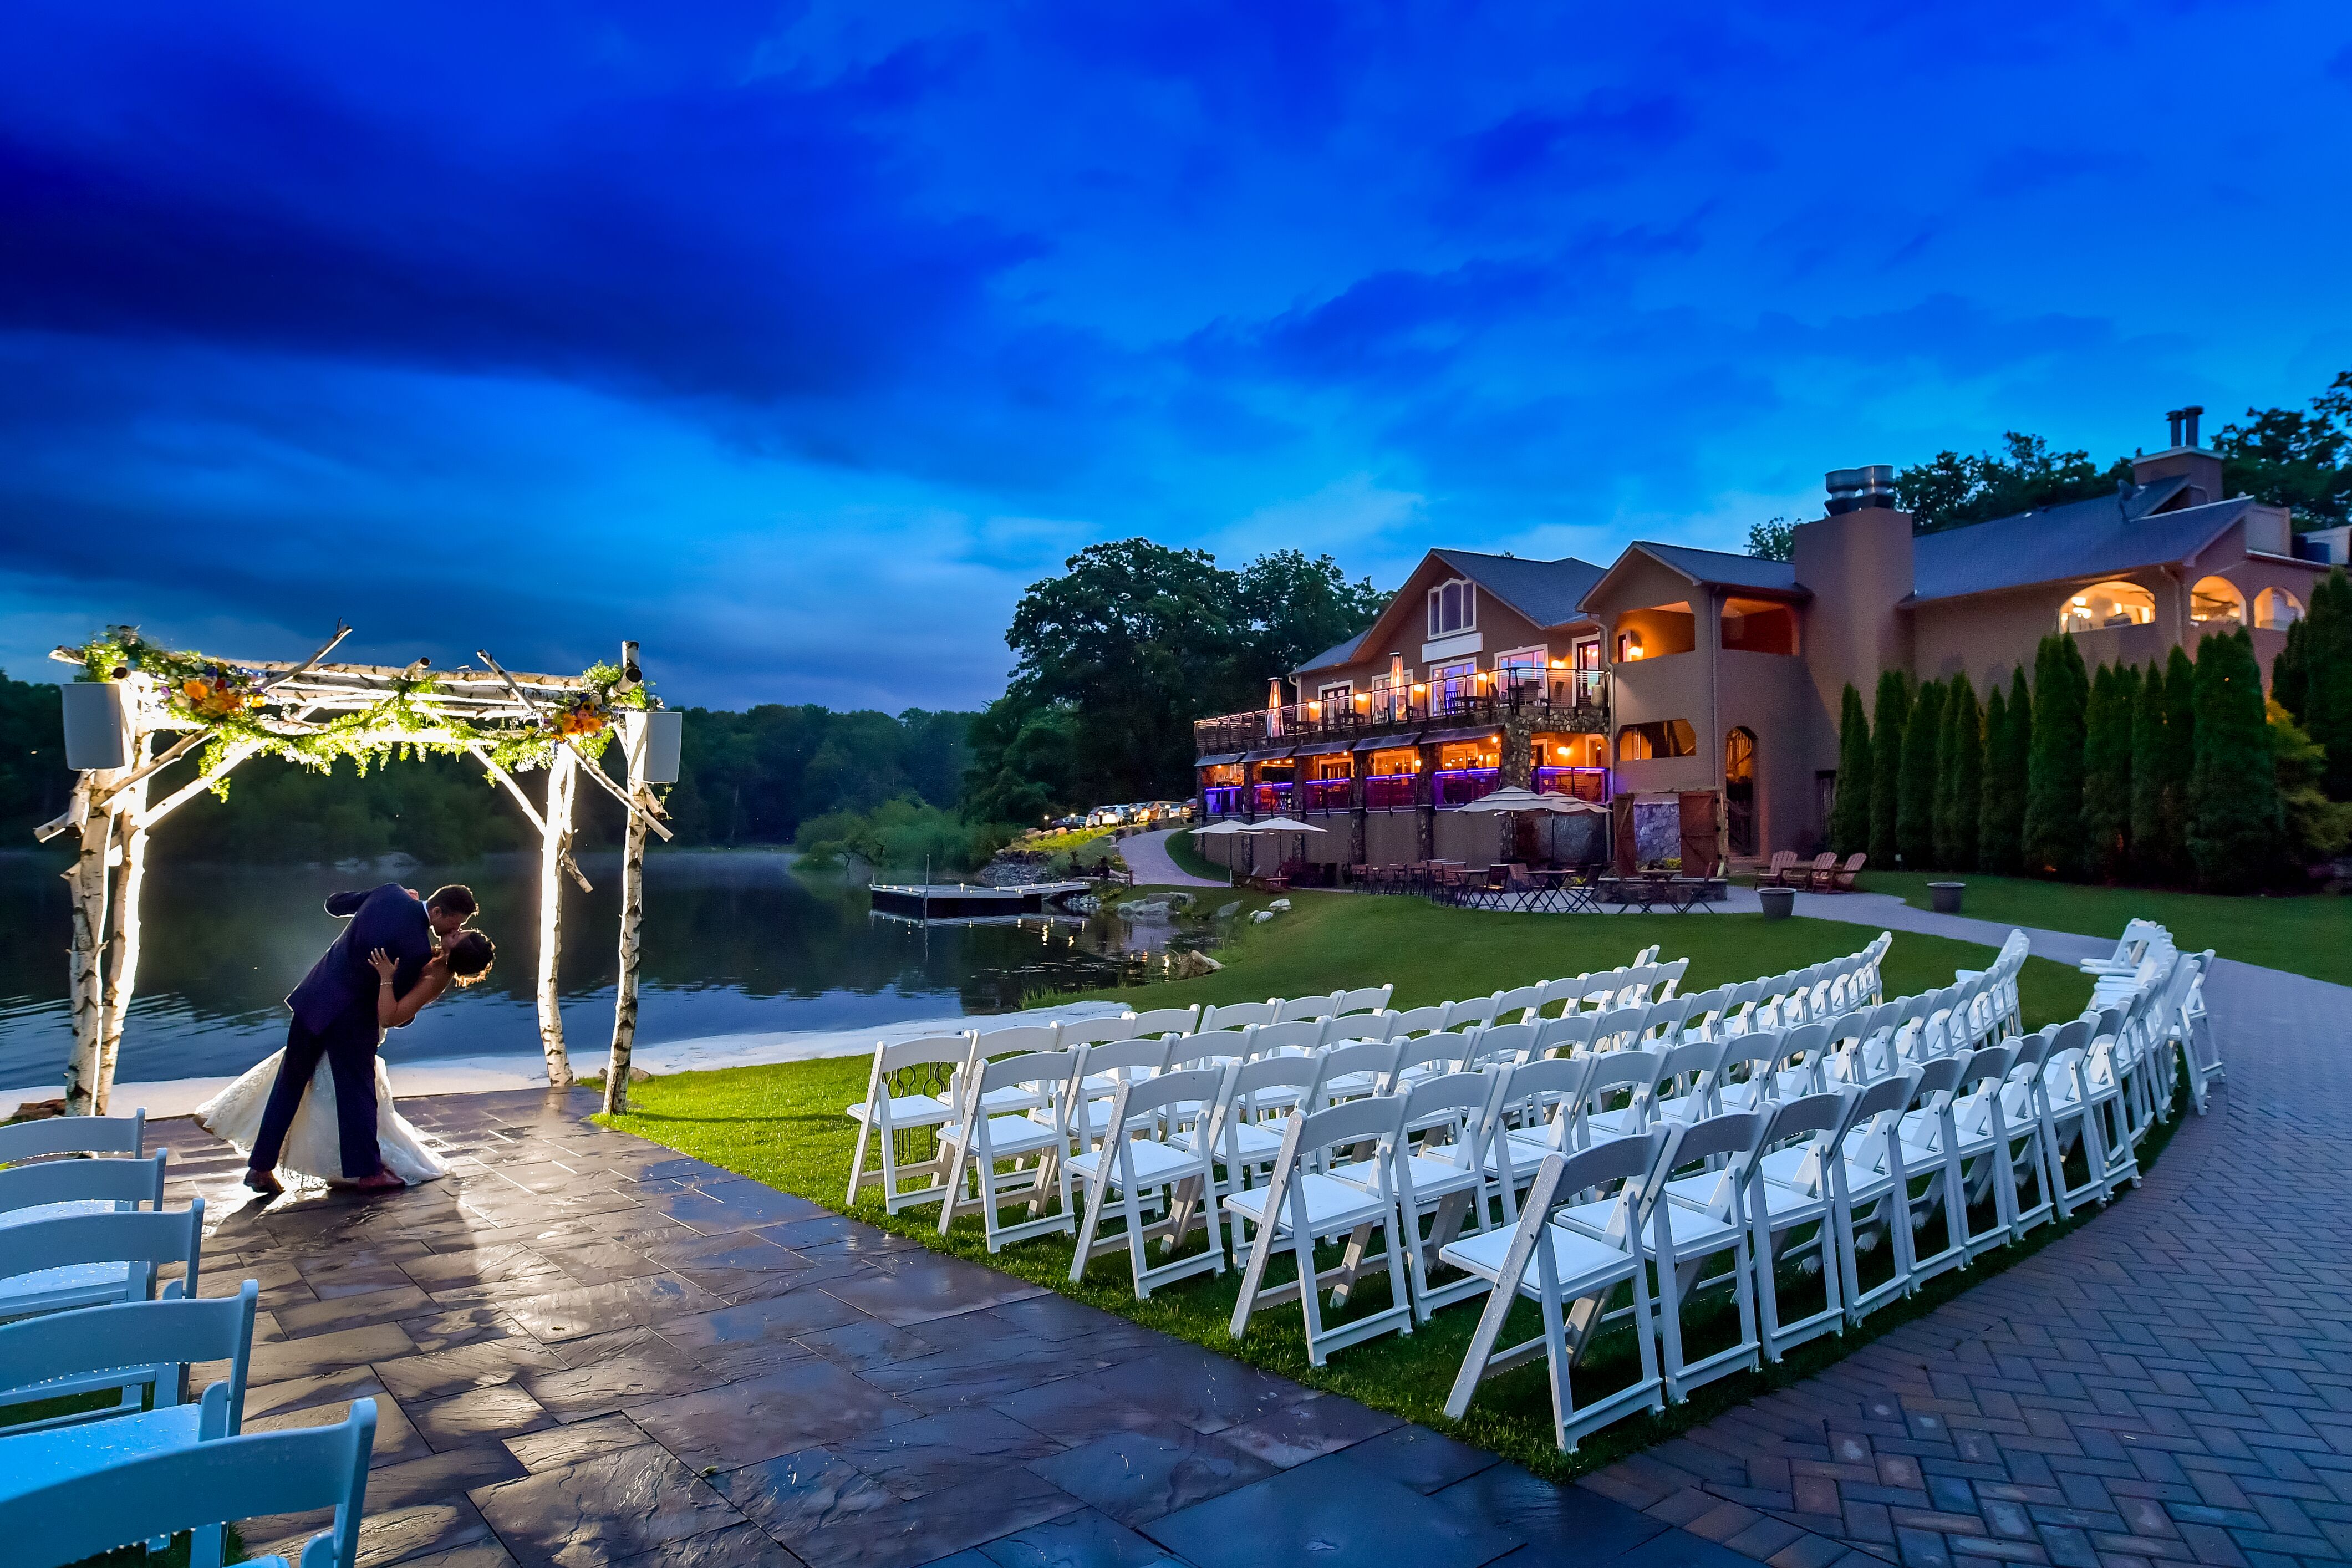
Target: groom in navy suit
334 1016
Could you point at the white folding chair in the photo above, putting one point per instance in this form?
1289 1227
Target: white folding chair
1807 1191
1363 999
1703 1216
74 1135
1300 1206
1878 1190
1238 1015
1077 1032
1569 1269
1534 1114
1139 1166
1442 1178
1306 1007
884 1114
57 1517
981 1141
1096 1073
96 1259
1356 1069
1160 1021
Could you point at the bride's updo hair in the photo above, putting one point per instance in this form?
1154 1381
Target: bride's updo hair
469 953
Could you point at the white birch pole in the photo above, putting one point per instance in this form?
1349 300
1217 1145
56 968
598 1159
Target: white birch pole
633 906
129 806
555 846
87 880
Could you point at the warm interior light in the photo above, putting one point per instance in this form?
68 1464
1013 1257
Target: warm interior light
1419 686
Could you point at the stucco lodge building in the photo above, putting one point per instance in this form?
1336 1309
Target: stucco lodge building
1695 693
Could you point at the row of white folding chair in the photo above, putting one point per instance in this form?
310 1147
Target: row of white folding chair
49 1178
1286 1010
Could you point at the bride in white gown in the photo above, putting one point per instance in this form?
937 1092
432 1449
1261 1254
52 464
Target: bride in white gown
313 1148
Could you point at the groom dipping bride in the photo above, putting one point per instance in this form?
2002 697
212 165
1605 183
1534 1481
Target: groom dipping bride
398 953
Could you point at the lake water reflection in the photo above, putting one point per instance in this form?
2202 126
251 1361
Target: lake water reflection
732 943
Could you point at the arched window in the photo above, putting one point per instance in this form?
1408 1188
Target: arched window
2275 610
2106 604
1453 607
2216 599
1739 790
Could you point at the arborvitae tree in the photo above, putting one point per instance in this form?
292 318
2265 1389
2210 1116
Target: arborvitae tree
2107 773
2180 755
2154 853
2054 787
1915 807
2326 712
2236 836
2000 824
1888 717
1959 777
1850 812
1988 796
2291 670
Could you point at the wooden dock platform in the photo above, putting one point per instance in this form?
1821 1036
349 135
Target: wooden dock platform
952 901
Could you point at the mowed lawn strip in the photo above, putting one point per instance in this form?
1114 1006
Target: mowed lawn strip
784 1125
2306 934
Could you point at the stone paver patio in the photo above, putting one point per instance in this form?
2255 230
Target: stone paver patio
587 1349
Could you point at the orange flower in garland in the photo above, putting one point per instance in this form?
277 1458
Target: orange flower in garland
213 696
582 718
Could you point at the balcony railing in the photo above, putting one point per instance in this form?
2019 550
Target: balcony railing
1459 787
1273 799
1582 783
1223 800
1326 794
1574 701
1389 792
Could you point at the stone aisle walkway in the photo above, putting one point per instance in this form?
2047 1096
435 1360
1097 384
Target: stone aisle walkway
585 1350
2171 1384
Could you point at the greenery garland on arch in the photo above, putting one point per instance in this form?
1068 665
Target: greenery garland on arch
228 704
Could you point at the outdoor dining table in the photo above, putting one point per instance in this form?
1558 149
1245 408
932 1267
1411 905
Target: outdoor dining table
1559 888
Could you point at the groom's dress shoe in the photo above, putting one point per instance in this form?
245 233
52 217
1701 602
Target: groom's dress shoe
381 1182
264 1182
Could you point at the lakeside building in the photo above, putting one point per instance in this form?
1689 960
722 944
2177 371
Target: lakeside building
1695 693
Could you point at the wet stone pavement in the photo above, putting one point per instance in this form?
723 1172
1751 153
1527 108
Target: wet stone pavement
585 1350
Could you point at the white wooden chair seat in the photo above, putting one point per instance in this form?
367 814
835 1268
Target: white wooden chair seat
37 1460
1331 1205
1432 1176
1584 1263
1155 1163
1011 1137
1252 1142
907 1110
56 1289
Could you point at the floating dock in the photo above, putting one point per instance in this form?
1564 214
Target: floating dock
955 901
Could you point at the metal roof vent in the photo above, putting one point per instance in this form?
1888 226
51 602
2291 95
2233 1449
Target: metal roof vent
1850 490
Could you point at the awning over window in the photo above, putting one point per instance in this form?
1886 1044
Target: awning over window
1387 743
1475 732
1270 754
1219 761
1321 749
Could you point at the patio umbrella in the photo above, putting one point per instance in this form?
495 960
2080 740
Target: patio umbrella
1225 827
1514 800
1281 825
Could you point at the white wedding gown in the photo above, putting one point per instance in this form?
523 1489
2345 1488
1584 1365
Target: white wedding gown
314 1148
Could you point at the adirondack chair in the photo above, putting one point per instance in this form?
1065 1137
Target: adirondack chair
50 1518
1776 875
1842 881
1823 872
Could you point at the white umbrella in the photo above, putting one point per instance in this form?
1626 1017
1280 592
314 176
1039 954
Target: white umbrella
1528 800
1221 827
1282 824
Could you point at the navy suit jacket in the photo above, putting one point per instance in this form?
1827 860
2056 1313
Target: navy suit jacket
341 981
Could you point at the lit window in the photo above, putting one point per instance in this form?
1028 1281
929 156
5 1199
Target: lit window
1629 646
2275 610
2216 599
2108 605
1659 738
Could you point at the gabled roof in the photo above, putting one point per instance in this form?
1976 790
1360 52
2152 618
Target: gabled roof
1343 653
1721 569
2097 537
1548 593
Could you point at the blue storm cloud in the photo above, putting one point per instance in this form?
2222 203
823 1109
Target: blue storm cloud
792 340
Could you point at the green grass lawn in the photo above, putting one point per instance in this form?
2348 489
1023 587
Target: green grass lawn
784 1125
1185 850
2310 935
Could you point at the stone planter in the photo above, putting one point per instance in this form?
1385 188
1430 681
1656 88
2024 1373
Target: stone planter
1944 897
1779 902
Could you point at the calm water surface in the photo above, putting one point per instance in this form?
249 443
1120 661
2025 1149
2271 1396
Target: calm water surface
732 943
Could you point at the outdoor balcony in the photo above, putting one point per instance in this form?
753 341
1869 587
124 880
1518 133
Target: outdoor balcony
1573 701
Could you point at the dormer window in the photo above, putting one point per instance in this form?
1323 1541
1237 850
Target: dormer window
1453 607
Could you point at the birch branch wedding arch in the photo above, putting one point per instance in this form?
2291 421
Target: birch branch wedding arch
137 709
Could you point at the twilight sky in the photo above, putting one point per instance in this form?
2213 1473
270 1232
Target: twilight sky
794 340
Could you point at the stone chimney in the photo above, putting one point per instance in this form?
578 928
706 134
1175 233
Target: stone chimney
2182 455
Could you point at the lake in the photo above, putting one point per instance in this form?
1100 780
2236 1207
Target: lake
734 942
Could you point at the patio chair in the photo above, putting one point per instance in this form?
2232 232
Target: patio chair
1777 874
1824 874
97 1260
60 1517
882 1115
1842 881
1139 1167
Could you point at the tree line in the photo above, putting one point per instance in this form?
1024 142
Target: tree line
2180 775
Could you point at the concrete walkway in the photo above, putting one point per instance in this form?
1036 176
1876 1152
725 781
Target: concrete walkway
1147 857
